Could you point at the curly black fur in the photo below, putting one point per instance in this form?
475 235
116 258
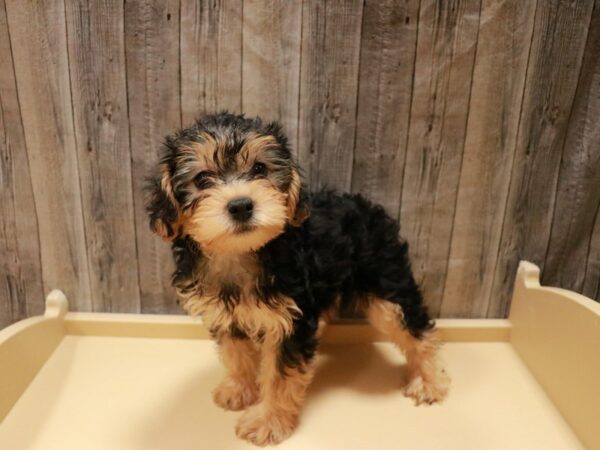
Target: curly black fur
348 248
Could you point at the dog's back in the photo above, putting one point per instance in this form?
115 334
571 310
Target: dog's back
346 251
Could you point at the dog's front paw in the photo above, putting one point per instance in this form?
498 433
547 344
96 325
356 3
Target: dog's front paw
428 391
235 395
262 427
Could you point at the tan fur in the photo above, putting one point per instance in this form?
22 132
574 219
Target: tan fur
327 317
252 317
295 217
202 152
211 226
281 397
161 229
195 157
427 383
239 389
253 149
159 226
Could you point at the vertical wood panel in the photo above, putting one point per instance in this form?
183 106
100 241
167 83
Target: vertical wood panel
271 62
387 60
446 44
211 57
479 129
21 292
578 193
559 36
328 91
152 50
502 52
38 40
95 38
591 284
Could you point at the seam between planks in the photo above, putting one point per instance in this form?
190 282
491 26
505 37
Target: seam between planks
362 24
462 157
81 199
568 123
298 118
512 168
131 162
408 121
35 206
242 58
589 252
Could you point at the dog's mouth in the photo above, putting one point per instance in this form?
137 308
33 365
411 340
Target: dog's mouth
244 228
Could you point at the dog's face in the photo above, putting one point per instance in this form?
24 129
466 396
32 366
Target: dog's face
228 182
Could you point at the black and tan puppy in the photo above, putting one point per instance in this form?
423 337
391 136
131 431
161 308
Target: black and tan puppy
265 263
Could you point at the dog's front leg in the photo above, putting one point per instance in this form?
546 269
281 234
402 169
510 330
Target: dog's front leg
282 392
239 388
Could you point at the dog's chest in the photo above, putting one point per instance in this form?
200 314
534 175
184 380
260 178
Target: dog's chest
229 303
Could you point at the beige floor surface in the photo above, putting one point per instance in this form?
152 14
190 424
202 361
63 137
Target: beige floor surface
154 394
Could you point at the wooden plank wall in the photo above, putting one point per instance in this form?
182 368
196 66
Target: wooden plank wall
474 122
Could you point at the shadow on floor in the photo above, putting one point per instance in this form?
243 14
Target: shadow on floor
189 419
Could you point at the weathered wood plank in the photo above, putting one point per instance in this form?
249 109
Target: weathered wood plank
339 76
559 36
591 284
38 40
496 95
271 62
21 291
578 193
95 39
446 43
328 91
211 57
152 51
387 60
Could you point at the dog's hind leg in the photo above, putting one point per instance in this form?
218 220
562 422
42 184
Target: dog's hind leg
427 383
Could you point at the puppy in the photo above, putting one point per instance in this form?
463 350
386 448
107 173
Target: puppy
265 263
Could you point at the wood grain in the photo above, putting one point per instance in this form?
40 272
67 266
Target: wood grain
387 60
211 57
152 56
271 62
559 36
578 192
21 291
95 38
473 121
38 41
438 120
591 284
328 91
502 53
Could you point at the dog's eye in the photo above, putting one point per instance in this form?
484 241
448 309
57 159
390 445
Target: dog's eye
202 180
259 169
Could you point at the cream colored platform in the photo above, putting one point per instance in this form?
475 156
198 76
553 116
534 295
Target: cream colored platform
110 382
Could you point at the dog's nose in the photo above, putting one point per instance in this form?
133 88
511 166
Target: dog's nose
241 208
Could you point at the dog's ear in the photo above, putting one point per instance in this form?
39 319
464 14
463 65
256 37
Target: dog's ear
297 209
162 207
